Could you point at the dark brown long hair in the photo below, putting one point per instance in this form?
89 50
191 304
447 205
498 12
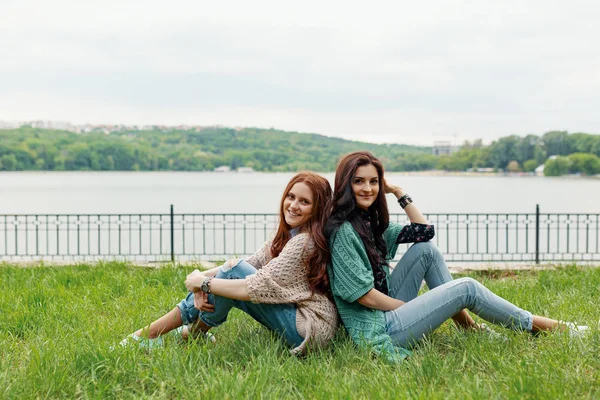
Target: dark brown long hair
316 261
344 206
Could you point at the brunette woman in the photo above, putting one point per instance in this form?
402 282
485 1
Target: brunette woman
381 310
283 286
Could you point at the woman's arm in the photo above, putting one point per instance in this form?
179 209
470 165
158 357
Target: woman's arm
379 301
231 288
413 213
211 272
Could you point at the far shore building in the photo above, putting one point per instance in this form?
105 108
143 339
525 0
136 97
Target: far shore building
223 168
10 125
442 148
481 169
539 171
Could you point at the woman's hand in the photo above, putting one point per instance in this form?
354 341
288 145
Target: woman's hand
201 302
194 281
396 190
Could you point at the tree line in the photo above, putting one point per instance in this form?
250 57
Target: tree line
560 153
273 150
179 150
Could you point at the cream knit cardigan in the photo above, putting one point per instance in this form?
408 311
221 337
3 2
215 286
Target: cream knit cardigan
284 279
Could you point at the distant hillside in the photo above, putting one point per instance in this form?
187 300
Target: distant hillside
188 150
27 149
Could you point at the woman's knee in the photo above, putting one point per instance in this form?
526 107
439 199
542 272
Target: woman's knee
427 248
467 281
239 270
471 287
464 290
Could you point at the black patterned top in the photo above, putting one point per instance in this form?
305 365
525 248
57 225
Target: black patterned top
415 233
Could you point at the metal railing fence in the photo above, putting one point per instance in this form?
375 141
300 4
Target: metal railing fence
477 237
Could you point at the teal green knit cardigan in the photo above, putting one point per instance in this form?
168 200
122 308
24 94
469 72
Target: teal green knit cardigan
351 277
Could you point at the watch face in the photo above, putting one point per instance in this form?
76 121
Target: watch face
204 287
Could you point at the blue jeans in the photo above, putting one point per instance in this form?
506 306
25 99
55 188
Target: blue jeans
280 318
409 323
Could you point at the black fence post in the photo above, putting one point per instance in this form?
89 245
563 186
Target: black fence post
172 235
537 233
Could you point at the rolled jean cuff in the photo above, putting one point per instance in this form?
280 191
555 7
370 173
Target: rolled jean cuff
189 313
529 322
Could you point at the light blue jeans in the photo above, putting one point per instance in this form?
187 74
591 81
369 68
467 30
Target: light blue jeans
280 318
409 323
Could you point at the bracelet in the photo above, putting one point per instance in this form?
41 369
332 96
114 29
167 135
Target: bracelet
405 201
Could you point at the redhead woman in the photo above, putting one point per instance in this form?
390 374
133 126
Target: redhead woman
283 286
381 310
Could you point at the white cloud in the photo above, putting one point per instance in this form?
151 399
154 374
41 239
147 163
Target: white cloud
386 70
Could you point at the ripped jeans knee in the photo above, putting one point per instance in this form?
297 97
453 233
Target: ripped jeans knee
238 270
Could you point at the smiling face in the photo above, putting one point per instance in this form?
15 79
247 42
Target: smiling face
298 205
365 185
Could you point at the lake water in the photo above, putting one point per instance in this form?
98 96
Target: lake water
148 237
209 192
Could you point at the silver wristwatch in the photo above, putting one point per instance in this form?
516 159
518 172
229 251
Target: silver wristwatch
205 287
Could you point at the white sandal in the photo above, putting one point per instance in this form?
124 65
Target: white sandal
491 333
575 330
209 337
143 342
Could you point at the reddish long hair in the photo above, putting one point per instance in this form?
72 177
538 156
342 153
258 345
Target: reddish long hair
316 260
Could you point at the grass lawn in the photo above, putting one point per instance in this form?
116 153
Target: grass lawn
57 326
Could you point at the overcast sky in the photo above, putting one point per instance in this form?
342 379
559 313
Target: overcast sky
380 71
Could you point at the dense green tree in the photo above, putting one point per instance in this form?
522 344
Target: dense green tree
78 158
595 145
530 165
412 162
531 147
9 162
580 142
503 151
557 143
584 163
556 166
